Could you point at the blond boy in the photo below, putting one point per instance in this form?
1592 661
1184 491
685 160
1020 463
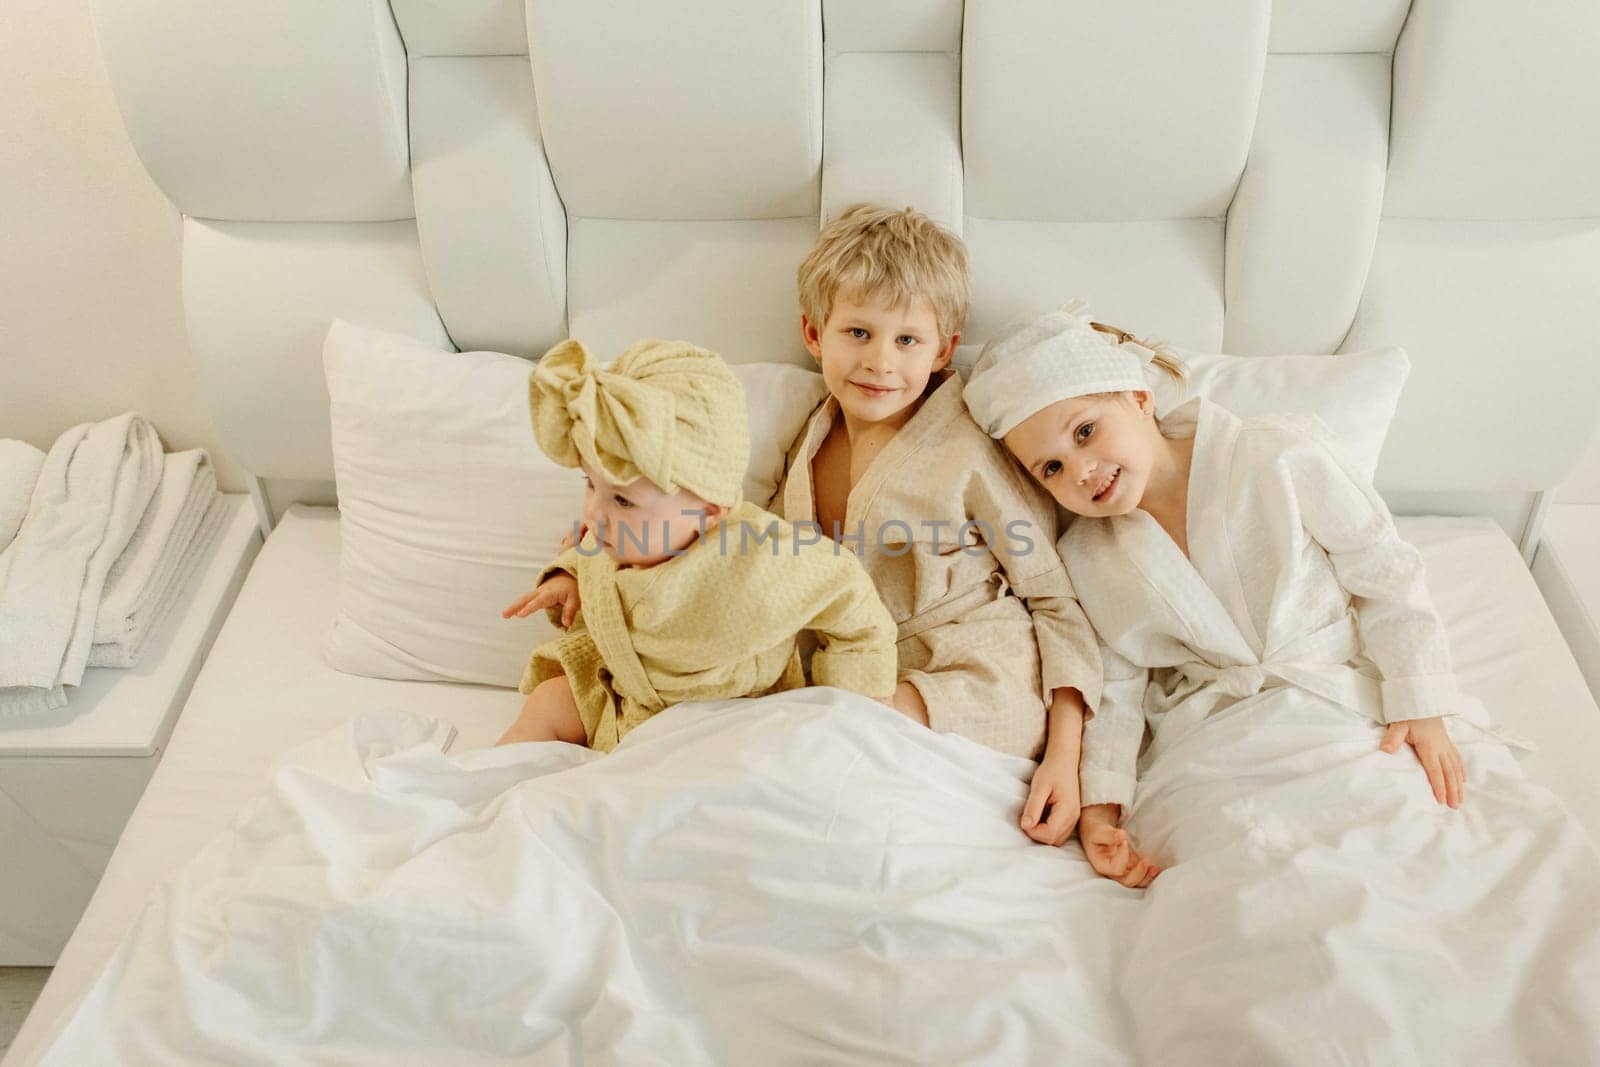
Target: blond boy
960 544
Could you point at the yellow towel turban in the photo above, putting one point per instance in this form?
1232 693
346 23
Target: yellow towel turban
665 410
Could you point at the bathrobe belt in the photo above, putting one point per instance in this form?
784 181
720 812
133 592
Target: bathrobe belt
1319 662
608 627
956 608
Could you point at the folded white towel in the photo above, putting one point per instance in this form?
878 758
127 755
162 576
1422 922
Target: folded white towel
19 470
140 576
148 617
91 493
21 701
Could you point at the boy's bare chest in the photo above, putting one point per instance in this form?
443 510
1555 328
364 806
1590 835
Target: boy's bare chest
837 468
832 479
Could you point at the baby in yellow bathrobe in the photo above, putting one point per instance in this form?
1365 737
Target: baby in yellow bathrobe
679 590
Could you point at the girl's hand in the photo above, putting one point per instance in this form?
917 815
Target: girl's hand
1055 781
1106 845
1435 751
557 589
1054 786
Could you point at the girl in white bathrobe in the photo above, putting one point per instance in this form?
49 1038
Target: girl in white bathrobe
1326 899
1221 557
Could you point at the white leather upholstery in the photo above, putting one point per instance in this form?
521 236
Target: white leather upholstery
494 234
462 27
728 285
892 25
1488 255
892 106
1295 275
686 143
1494 113
1228 174
1101 155
705 110
894 133
288 111
1502 320
1163 278
1062 122
1349 26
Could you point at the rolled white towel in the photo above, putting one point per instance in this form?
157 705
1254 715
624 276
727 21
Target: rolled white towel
20 701
140 576
19 470
90 496
148 617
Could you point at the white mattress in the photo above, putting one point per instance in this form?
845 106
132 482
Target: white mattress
265 688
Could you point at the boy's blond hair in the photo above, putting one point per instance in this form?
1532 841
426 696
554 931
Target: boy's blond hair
897 256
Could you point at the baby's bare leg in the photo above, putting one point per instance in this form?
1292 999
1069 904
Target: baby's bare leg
908 702
549 714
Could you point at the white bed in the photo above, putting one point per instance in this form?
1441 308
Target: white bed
266 689
1251 177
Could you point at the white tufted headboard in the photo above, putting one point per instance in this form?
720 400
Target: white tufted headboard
1228 174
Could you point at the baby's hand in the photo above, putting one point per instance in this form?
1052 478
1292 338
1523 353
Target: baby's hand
559 589
1107 848
1435 751
1055 784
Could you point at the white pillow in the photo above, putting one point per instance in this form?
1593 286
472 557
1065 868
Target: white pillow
448 509
780 397
1354 393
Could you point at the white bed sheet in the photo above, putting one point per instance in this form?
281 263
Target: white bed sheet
265 689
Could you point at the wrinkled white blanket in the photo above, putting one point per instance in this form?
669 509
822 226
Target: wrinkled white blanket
809 878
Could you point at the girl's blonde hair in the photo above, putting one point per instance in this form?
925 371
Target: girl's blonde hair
897 256
1164 357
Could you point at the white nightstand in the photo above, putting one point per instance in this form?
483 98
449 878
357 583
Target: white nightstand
69 783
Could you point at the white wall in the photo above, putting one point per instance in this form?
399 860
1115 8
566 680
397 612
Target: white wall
91 317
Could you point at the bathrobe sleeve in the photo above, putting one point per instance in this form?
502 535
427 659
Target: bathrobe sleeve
1400 630
1113 735
566 563
855 633
1023 523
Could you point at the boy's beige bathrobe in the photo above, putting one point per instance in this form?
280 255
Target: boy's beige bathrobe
987 629
713 623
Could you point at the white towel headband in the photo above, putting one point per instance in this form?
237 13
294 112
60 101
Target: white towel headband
1032 364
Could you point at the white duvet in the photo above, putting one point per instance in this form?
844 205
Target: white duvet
809 878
